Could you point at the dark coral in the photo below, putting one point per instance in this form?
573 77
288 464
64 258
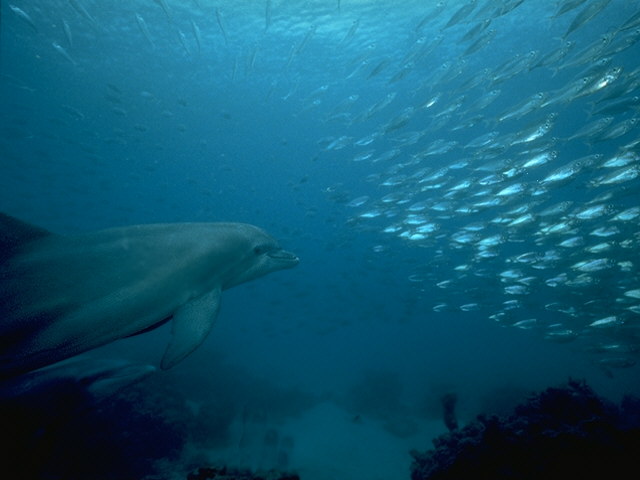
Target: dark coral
64 433
561 432
449 401
224 473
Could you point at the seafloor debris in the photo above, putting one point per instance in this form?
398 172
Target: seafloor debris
561 431
224 473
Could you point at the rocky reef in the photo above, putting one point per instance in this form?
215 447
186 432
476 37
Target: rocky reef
566 431
63 432
224 473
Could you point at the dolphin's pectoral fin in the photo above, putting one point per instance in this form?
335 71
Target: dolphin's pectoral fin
191 325
150 328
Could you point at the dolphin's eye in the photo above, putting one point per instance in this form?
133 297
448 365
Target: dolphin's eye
260 249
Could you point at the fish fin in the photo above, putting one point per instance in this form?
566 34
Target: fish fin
191 325
15 233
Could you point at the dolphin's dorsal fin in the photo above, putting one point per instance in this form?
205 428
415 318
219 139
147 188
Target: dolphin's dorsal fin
15 233
191 325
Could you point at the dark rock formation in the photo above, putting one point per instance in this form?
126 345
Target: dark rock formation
449 401
224 473
566 432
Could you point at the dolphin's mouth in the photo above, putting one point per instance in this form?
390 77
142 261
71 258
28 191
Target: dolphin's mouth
284 257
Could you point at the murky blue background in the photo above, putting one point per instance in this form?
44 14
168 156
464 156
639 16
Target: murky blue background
236 111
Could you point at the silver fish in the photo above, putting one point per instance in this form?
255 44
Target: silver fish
590 11
61 50
142 25
24 16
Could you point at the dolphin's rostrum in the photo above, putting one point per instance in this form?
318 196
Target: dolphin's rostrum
63 295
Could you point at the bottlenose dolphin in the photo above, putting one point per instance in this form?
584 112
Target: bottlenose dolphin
63 295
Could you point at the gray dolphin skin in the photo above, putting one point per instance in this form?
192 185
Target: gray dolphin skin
97 377
64 295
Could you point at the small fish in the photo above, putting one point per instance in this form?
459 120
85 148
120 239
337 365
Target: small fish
522 220
356 202
267 15
519 111
540 159
303 43
379 67
24 16
351 33
607 322
617 107
605 232
526 324
568 93
480 43
78 7
470 307
617 362
514 66
60 49
561 336
183 41
535 132
555 56
371 214
477 30
627 215
142 25
570 170
418 206
402 73
556 209
165 8
621 175
399 121
388 155
514 189
591 54
567 6
599 248
221 25
460 14
394 180
632 22
74 112
590 11
375 108
367 155
67 32
440 307
339 143
589 130
431 15
429 227
572 242
592 212
492 241
602 82
197 35
617 130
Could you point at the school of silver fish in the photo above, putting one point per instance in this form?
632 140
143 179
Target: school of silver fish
517 177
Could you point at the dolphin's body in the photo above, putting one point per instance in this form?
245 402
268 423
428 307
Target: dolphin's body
63 295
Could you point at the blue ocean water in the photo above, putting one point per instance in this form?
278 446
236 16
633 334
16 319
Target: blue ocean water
393 148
